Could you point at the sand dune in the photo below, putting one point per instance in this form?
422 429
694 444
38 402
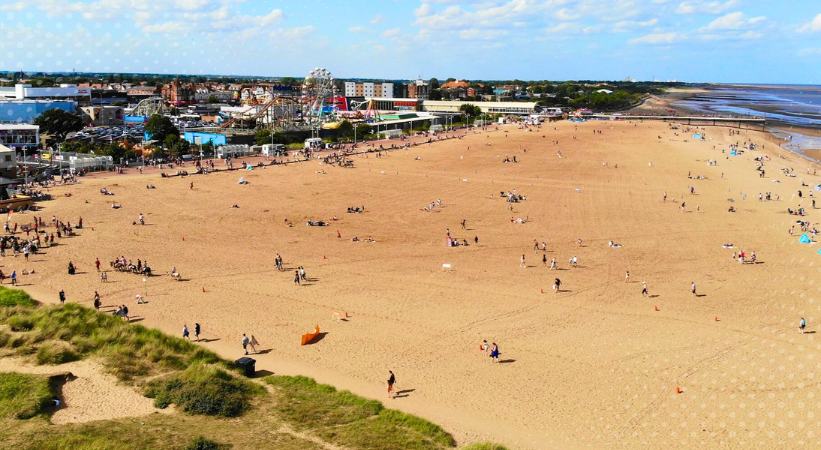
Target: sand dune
92 395
596 365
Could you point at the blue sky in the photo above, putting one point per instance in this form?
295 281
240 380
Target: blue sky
694 40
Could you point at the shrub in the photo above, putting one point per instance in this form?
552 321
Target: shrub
56 353
203 389
20 323
23 396
202 443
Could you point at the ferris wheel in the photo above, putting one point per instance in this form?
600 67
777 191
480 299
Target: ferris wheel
317 89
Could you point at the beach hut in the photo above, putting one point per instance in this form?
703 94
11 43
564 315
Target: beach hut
805 239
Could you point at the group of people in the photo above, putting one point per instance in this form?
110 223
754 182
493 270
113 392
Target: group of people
121 264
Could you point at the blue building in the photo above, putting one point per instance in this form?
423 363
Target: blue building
25 111
199 137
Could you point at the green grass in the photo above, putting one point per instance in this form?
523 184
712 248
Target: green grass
15 297
201 443
348 420
204 389
129 351
23 396
484 446
56 352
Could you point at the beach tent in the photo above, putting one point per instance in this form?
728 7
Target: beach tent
733 153
819 251
697 136
804 239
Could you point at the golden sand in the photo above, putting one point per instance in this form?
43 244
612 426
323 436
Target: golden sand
596 365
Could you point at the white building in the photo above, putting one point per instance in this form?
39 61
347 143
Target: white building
26 91
368 89
519 108
16 135
8 162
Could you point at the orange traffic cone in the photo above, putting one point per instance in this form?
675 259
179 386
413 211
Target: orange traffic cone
542 290
679 390
203 289
717 319
324 257
183 238
657 308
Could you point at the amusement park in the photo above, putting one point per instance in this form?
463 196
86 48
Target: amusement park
318 110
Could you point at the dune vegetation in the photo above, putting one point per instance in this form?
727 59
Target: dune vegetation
276 411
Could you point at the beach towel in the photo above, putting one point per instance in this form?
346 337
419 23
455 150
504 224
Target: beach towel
805 239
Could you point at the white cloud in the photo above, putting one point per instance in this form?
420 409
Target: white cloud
659 38
391 33
481 34
377 19
705 7
733 21
165 27
295 33
631 25
16 6
356 29
813 26
809 52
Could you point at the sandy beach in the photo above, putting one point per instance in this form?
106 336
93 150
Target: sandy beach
595 365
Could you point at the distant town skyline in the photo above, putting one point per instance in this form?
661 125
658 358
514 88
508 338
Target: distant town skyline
742 41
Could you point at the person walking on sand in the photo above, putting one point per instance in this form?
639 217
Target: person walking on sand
197 330
553 264
391 382
14 278
522 263
644 292
185 333
627 276
245 341
254 342
62 295
802 324
557 283
484 347
97 302
97 264
693 287
296 278
494 352
544 259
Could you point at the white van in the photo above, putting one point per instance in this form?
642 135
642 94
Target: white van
313 144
